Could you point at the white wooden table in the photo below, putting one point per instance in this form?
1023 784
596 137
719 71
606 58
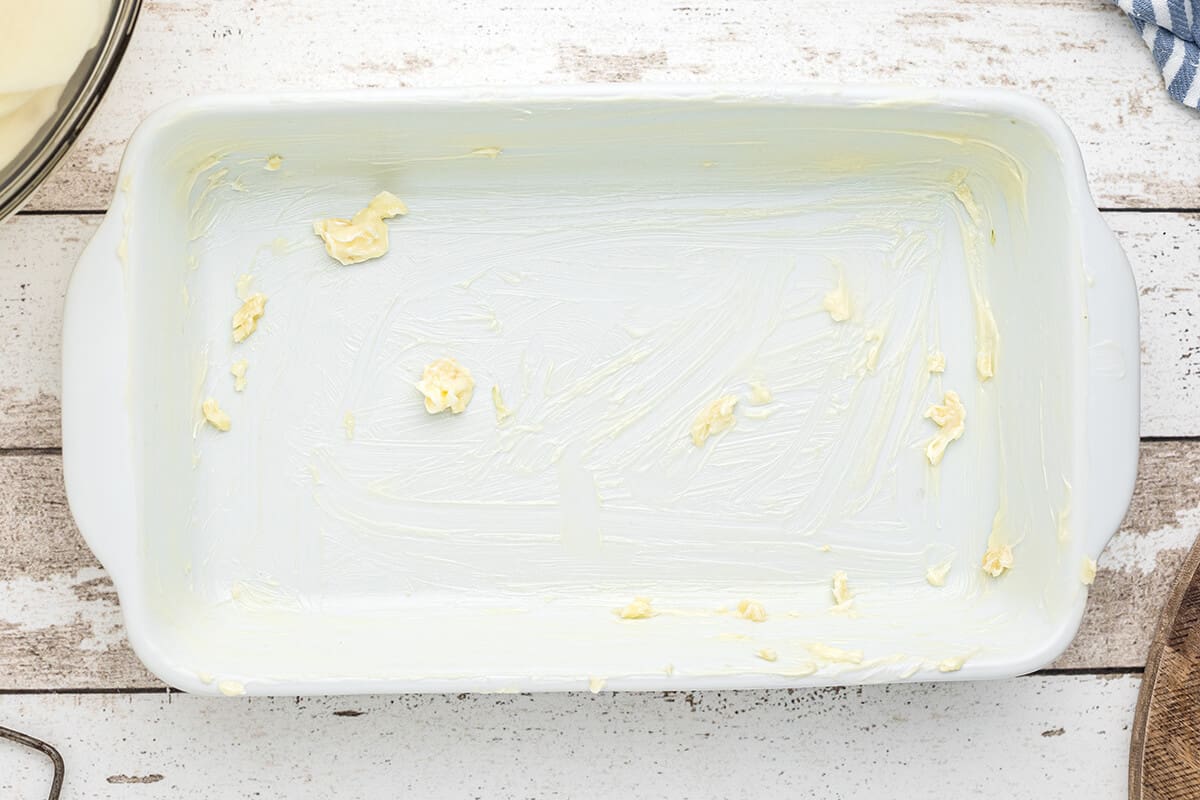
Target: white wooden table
67 674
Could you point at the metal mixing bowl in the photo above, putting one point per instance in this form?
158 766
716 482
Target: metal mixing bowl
21 176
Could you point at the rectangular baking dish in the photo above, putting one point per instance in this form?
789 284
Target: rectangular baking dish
614 259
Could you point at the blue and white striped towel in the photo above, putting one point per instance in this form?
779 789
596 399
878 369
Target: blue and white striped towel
1171 29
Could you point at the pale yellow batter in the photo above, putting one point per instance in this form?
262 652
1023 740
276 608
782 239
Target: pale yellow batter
42 43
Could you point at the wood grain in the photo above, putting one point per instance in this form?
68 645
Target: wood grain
1164 754
1045 736
38 252
1164 251
36 257
1082 57
1141 561
1039 737
60 624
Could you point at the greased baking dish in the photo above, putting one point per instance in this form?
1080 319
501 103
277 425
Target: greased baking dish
614 259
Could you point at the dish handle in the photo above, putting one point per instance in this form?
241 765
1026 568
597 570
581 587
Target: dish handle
1113 383
96 435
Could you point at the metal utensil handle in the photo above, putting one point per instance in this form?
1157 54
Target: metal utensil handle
37 744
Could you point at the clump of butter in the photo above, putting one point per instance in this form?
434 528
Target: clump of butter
640 608
837 301
935 362
242 286
936 575
951 417
952 664
503 412
760 395
874 340
828 653
446 384
213 414
363 237
987 337
767 654
245 319
843 597
348 423
716 417
238 371
997 559
752 610
274 162
1064 519
988 341
1087 571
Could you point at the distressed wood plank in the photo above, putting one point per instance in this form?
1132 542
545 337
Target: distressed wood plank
1082 57
38 252
1165 254
36 257
1053 736
1139 565
60 625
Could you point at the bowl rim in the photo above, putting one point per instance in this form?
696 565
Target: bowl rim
24 175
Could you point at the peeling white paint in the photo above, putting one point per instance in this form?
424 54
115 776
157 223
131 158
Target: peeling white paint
33 604
1040 736
1130 550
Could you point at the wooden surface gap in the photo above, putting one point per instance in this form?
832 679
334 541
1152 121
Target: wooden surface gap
9 452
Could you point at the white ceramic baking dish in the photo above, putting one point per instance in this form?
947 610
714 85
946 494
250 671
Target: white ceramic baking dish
613 259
